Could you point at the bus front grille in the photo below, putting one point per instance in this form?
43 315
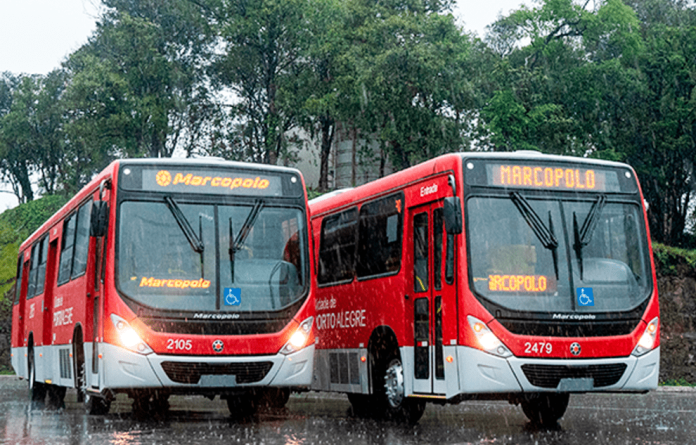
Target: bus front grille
190 373
549 376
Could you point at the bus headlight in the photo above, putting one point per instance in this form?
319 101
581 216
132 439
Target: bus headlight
647 340
128 337
487 339
298 340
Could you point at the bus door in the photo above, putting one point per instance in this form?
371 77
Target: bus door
434 296
49 306
95 305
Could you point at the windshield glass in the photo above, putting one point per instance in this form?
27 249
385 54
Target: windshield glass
160 266
513 265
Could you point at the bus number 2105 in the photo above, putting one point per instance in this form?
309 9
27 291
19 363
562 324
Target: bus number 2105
179 344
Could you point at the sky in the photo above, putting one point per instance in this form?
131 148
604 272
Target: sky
37 35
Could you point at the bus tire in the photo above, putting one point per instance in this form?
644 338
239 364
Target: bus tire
56 396
150 402
79 365
390 393
96 405
243 405
37 390
272 399
545 409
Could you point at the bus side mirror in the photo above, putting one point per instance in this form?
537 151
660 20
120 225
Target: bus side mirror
98 219
453 215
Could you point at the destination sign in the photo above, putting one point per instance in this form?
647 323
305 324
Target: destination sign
212 181
550 176
557 178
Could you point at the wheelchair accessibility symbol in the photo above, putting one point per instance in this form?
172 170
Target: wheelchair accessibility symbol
585 296
233 296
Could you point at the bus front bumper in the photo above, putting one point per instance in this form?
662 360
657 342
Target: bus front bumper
486 373
125 370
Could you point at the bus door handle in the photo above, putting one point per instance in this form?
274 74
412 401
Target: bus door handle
406 296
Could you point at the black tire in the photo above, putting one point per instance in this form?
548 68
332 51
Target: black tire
545 409
243 405
362 405
391 402
151 402
272 399
96 405
56 396
37 390
79 366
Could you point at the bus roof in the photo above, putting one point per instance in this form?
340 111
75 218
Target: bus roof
111 170
440 164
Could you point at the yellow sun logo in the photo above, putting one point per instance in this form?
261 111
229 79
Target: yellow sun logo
164 178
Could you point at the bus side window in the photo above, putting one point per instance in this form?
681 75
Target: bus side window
379 236
81 246
337 247
66 253
33 270
41 274
18 282
420 252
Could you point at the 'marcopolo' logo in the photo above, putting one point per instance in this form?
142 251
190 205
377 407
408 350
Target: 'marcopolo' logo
163 178
218 346
575 349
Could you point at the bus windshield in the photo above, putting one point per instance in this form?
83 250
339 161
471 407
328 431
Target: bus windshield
549 255
175 255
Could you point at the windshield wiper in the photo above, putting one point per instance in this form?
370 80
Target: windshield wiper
248 224
546 235
194 240
583 236
238 242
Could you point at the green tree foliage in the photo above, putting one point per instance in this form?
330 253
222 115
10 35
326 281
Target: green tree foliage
31 132
615 82
264 46
412 67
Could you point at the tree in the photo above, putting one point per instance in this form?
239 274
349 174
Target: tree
410 61
264 44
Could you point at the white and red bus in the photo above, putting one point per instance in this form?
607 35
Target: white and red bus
514 276
167 276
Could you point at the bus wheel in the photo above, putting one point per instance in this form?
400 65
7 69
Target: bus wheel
37 390
362 405
56 396
396 405
96 404
150 402
273 399
545 409
242 405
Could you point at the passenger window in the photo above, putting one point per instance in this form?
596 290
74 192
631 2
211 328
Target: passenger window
379 238
337 247
33 270
66 252
41 274
420 252
18 282
81 247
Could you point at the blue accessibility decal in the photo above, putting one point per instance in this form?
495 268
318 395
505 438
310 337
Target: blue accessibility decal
585 296
233 296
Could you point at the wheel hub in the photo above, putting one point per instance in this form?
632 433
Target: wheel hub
394 383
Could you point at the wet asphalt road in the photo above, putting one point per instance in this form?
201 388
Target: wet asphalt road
665 416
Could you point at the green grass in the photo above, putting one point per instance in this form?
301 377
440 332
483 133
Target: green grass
681 381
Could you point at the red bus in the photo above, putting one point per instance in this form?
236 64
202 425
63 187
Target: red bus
514 276
166 276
